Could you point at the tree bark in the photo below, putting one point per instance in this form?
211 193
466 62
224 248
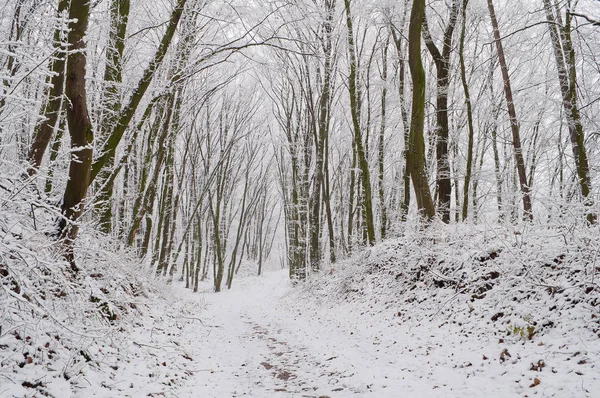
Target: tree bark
322 132
111 104
442 64
110 146
381 143
80 129
512 114
365 175
144 202
416 165
44 131
405 204
564 55
471 130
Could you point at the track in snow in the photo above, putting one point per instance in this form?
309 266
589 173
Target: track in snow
251 348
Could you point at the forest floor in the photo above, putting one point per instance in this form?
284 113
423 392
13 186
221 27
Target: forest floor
378 325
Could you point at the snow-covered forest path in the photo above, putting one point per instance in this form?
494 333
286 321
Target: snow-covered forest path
258 347
264 338
255 341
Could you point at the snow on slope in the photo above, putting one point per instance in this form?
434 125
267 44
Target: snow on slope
54 324
452 311
464 312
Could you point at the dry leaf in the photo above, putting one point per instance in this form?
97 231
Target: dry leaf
536 382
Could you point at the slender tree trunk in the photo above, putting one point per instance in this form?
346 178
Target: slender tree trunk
321 135
454 148
381 143
219 261
167 212
186 264
174 212
126 114
56 143
327 200
296 256
534 149
351 195
111 104
198 262
155 252
355 113
257 247
145 201
465 85
405 204
244 209
564 55
45 130
514 121
479 165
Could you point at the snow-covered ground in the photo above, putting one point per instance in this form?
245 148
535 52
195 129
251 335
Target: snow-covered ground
435 317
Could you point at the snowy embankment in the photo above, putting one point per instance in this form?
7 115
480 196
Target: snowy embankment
463 312
459 311
56 325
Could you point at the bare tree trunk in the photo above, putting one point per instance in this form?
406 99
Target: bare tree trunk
416 149
219 263
381 142
80 129
564 55
465 84
351 195
144 203
111 104
327 200
198 262
358 140
321 134
512 113
155 251
44 131
56 143
166 210
126 114
442 64
479 163
405 204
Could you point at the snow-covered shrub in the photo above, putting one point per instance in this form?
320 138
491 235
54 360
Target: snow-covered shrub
52 320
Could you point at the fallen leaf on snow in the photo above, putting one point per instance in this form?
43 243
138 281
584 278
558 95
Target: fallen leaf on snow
536 382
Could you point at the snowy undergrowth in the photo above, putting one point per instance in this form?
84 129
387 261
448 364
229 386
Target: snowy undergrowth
57 327
508 306
449 311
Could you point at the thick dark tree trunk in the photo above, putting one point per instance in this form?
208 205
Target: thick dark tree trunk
80 129
442 64
416 164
